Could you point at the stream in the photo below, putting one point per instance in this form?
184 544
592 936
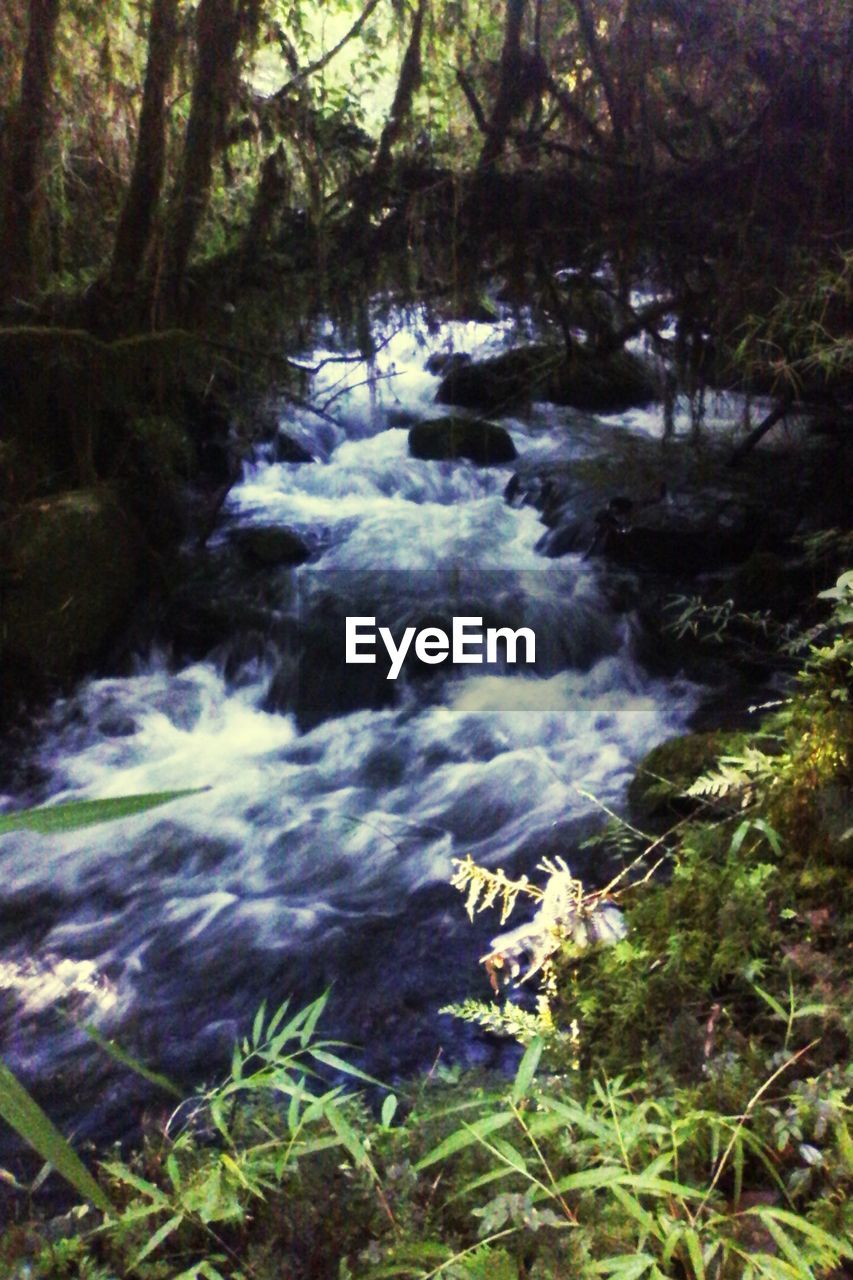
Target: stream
320 851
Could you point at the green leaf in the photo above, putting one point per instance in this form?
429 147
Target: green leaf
389 1107
462 1138
771 835
59 818
349 1138
312 1016
527 1070
332 1060
604 1176
694 1249
793 1220
26 1117
627 1266
122 1174
258 1024
508 1153
277 1018
738 1168
771 1001
128 1060
296 1026
157 1239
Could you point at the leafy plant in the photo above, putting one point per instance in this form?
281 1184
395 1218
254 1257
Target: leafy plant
240 1140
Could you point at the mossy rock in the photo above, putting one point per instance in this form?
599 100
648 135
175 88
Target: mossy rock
165 446
662 777
601 384
72 578
450 438
502 383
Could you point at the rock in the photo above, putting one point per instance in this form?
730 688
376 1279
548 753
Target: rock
502 383
214 600
286 449
271 546
472 438
73 562
656 790
446 361
314 682
676 544
599 384
399 417
602 384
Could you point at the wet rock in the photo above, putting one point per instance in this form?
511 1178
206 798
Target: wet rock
446 361
449 438
677 543
602 384
674 514
584 380
400 417
314 682
73 562
214 600
502 383
765 581
271 546
286 449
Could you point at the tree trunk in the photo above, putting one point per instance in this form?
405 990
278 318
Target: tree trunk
217 34
600 66
408 83
143 195
29 130
507 102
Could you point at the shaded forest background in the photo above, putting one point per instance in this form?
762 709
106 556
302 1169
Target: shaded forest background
157 158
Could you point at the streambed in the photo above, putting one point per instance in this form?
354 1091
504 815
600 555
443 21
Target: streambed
320 852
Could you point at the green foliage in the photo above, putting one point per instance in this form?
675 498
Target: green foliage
26 1117
804 339
59 818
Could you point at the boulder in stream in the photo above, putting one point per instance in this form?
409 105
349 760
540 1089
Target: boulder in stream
286 449
271 546
448 438
502 383
445 362
584 380
601 383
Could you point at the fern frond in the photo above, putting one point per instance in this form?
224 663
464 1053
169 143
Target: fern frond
485 888
508 1019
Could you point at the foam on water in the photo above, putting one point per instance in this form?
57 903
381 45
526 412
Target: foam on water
302 837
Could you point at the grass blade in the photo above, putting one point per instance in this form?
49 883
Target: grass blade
128 1060
527 1070
26 1117
59 818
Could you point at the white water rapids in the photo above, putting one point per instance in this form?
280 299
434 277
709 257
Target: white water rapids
323 854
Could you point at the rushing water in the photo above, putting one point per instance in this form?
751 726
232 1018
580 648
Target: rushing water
321 848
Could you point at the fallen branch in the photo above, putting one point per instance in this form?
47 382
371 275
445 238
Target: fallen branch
775 415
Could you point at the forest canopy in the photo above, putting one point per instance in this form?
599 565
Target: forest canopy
135 137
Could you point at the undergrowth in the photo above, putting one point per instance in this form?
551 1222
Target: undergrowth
681 1110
